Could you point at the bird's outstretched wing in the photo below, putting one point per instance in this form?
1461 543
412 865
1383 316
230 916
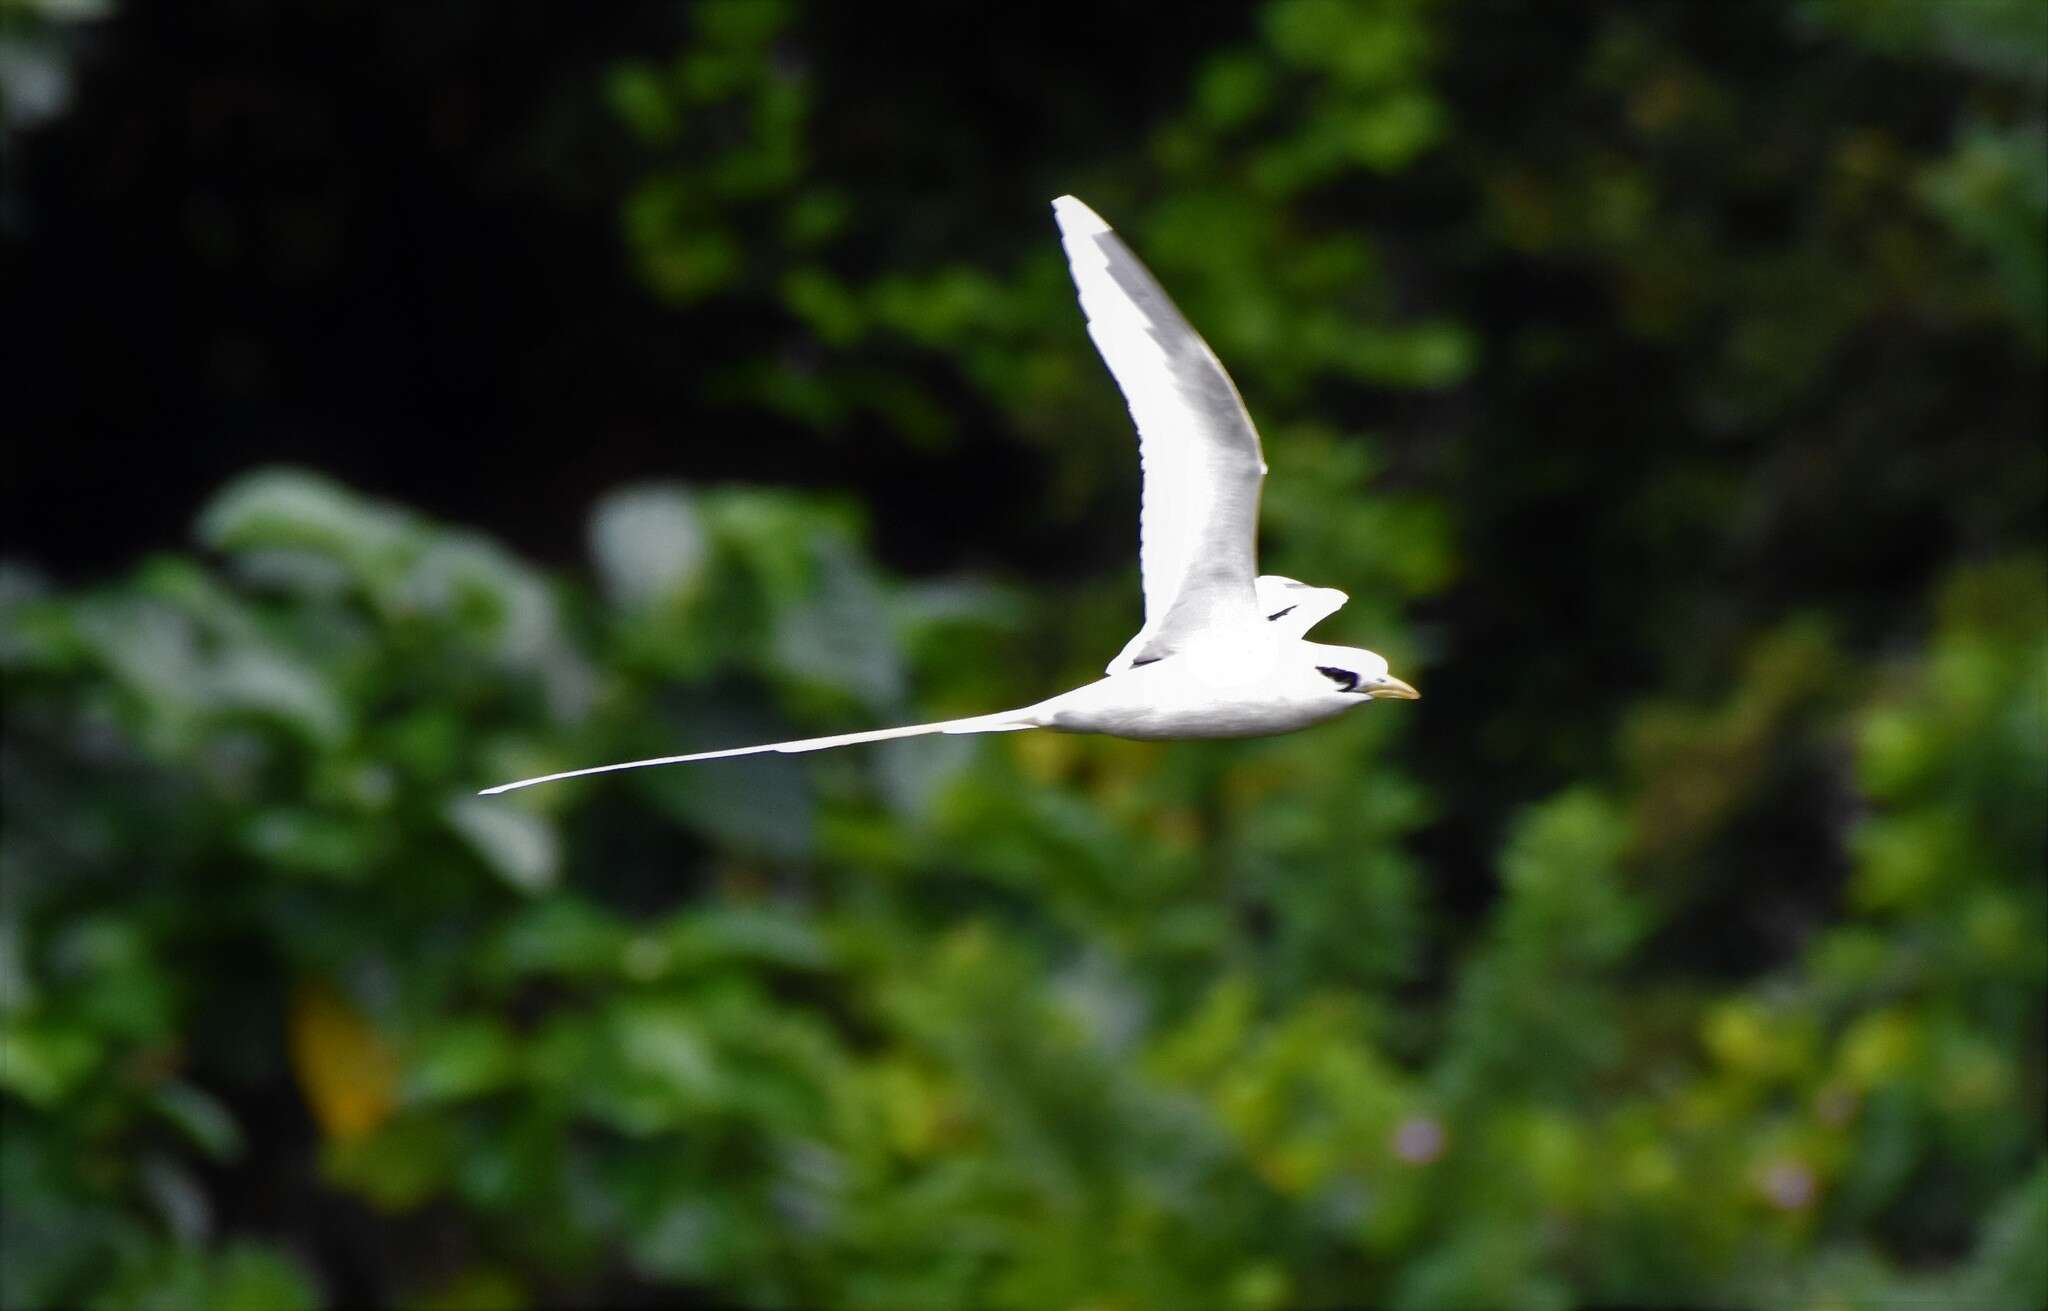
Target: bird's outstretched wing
1198 529
1008 721
1292 608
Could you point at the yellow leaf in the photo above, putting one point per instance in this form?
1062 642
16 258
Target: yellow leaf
346 1070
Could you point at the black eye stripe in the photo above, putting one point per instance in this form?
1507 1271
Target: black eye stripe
1278 613
1343 678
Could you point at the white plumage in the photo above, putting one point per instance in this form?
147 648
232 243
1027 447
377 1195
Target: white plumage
1222 650
1198 523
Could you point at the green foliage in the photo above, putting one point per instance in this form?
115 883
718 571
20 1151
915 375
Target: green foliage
1087 1019
1685 946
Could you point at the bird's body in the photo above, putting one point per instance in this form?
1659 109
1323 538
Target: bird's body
1222 652
1253 688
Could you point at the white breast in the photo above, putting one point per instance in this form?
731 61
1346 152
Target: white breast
1214 693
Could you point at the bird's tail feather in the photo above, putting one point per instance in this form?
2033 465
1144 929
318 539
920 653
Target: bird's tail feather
1006 721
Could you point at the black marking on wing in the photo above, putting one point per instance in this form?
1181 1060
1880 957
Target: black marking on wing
1282 614
1345 680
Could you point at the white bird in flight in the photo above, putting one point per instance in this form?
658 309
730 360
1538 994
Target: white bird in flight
1223 652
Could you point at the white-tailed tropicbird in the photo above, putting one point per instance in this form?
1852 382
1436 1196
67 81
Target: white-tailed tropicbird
1222 652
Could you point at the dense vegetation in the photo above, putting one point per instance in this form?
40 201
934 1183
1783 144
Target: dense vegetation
1664 383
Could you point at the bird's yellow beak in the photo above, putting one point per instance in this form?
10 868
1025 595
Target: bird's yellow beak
1391 688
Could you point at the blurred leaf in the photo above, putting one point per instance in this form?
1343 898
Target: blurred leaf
288 509
253 1278
42 1063
648 544
2010 1267
476 1289
202 1118
518 845
459 1060
397 1164
345 1069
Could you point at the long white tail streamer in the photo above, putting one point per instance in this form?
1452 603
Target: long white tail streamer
1006 721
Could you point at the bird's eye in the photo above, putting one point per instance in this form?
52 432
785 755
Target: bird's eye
1343 678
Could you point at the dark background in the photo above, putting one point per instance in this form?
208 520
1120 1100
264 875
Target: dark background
388 244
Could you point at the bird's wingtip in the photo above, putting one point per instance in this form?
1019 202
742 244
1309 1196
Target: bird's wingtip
1076 217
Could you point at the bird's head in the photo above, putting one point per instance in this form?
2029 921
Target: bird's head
1353 671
